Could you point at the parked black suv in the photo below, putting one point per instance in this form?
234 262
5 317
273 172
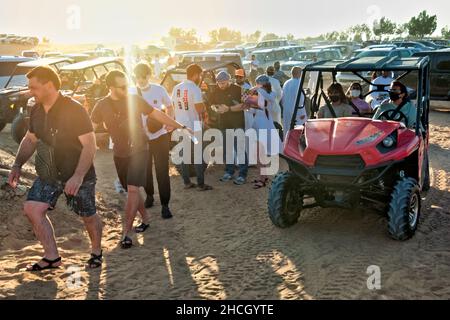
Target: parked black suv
440 77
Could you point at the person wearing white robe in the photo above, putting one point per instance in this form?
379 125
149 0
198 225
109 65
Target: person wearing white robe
264 126
290 92
276 88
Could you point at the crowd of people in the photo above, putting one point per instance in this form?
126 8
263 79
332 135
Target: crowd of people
140 120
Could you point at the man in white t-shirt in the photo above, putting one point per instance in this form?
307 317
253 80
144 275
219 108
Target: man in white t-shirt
378 96
188 106
159 141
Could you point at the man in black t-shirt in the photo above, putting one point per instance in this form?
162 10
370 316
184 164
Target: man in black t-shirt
123 116
61 132
226 101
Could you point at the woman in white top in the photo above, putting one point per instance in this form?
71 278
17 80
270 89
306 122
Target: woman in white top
269 143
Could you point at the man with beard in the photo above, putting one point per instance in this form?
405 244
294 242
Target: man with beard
226 100
62 134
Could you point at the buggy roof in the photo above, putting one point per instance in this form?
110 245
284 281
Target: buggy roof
89 63
370 64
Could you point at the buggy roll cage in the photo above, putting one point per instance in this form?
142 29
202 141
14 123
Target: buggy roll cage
356 65
81 67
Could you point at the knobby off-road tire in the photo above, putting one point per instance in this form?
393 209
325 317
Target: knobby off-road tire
404 209
426 173
285 200
19 128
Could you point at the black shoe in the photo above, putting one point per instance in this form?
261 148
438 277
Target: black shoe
149 202
165 213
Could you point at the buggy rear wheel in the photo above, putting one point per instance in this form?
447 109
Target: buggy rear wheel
426 173
285 200
19 128
404 209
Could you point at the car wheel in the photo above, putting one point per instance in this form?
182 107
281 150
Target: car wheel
2 125
19 128
285 200
404 209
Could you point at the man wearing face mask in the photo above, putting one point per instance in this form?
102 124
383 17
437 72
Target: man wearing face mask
339 104
242 82
226 100
378 96
399 105
159 140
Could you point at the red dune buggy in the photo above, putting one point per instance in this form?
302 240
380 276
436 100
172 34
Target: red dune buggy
351 162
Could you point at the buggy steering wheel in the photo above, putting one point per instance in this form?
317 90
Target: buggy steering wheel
395 115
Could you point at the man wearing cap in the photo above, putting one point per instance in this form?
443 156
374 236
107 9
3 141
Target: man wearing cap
245 85
226 101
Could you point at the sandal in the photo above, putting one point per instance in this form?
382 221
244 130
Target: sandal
126 243
37 267
141 228
260 183
96 260
204 187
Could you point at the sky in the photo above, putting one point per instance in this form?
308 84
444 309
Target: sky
128 21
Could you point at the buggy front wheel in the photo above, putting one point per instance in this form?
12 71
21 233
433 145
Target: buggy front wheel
404 209
285 200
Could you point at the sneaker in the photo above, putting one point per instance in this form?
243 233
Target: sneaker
149 202
226 177
239 180
165 213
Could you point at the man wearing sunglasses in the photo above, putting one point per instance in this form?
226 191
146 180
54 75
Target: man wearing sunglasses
398 107
122 114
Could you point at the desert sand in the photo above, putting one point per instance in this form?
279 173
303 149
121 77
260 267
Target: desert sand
222 245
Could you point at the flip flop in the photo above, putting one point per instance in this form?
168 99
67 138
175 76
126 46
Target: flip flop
141 228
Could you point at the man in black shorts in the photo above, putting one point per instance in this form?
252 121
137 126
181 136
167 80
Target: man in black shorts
61 132
124 116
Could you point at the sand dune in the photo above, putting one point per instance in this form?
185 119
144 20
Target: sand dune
221 245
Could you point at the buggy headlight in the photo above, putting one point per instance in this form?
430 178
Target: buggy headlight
388 142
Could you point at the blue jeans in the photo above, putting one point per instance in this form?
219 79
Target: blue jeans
230 167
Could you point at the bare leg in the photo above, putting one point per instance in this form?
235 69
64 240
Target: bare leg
131 208
36 213
94 227
142 211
